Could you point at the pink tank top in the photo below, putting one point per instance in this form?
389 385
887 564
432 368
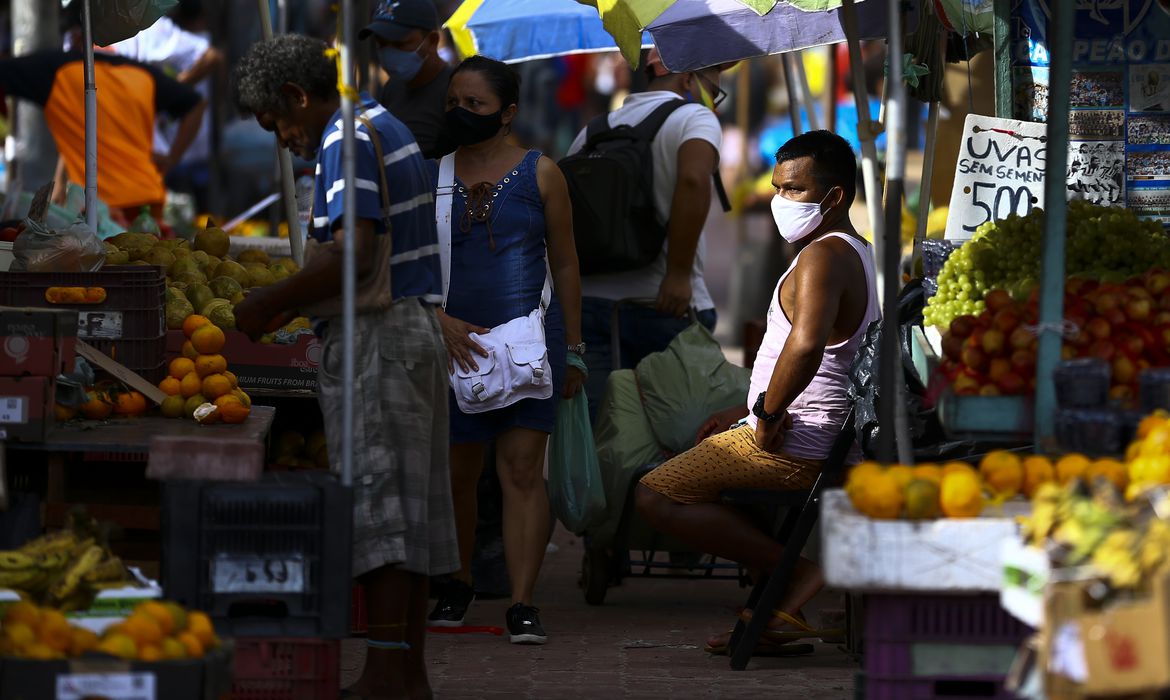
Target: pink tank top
819 411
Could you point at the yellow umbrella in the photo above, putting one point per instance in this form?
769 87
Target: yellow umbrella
457 24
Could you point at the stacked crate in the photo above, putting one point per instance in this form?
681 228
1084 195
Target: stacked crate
35 346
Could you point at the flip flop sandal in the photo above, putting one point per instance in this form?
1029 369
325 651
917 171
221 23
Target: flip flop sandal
803 629
764 647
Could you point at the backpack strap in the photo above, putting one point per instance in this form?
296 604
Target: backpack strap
649 127
443 196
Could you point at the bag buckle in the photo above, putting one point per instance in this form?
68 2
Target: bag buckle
538 372
478 388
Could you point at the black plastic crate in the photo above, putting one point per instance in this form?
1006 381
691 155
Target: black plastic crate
1093 431
134 305
143 355
1082 383
265 559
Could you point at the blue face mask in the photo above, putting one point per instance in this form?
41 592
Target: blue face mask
399 64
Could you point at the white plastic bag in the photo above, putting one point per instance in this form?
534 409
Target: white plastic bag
74 248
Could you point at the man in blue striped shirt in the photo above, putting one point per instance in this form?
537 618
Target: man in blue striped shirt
403 524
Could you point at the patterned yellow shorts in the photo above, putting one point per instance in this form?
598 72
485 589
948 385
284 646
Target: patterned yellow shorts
729 460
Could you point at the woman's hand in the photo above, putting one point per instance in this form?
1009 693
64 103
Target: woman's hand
460 347
574 380
720 422
770 436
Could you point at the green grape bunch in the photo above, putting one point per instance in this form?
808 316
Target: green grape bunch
1103 243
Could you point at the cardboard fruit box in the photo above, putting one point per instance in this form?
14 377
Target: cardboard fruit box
37 342
27 408
100 676
1117 649
273 366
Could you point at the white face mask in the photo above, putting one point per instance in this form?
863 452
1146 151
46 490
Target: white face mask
795 220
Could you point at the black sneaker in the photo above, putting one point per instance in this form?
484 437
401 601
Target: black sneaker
452 606
524 625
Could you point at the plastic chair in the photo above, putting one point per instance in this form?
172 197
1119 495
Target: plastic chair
803 511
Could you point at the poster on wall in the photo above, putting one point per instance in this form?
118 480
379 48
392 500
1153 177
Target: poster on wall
1119 123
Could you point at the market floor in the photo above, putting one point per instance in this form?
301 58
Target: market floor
644 642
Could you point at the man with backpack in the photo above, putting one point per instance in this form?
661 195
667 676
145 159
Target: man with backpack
640 180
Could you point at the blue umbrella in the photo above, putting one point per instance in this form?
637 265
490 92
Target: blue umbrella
699 33
523 30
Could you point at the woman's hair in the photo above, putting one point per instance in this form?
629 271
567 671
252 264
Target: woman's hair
504 82
287 58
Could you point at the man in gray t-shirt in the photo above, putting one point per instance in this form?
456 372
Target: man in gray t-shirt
407 36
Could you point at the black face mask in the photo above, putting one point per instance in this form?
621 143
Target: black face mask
467 128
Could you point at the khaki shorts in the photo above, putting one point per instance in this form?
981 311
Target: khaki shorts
729 460
402 509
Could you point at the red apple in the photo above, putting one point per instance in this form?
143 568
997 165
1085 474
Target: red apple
966 385
1131 345
1124 370
1161 318
1012 384
1115 316
993 341
1138 308
997 300
1098 328
1067 352
1120 392
1006 320
1021 338
952 347
1023 362
1105 302
998 367
962 326
973 357
1157 281
1102 349
989 390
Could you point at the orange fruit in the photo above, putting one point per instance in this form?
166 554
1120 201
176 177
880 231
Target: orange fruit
193 323
1003 472
83 640
962 494
191 404
172 406
199 625
17 636
232 409
192 384
231 377
1071 466
1037 472
22 612
129 404
178 614
169 386
243 397
928 472
207 414
143 629
160 613
207 340
64 414
97 406
53 631
210 364
150 652
189 352
902 474
191 644
119 645
173 649
181 366
215 386
1110 470
956 466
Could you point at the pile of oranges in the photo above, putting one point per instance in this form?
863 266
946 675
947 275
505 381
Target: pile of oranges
154 631
198 383
105 400
960 490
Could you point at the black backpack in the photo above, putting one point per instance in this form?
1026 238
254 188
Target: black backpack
611 187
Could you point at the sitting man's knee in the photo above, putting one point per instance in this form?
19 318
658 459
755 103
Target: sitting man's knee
651 505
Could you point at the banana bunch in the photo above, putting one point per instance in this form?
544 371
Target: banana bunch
63 569
1117 557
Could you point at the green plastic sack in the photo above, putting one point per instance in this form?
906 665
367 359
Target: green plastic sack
116 20
625 443
575 491
683 385
970 16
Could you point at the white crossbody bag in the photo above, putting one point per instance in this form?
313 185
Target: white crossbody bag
517 365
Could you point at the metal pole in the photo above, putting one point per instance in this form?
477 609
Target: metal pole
866 132
830 95
91 166
33 153
924 186
1060 36
349 222
892 406
805 91
287 187
793 95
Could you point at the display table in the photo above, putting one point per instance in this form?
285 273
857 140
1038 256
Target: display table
133 439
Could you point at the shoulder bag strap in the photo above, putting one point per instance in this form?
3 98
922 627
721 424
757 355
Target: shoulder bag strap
384 190
443 198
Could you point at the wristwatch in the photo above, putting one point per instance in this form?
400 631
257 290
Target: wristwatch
578 349
759 412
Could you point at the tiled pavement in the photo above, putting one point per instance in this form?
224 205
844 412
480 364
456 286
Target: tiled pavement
644 642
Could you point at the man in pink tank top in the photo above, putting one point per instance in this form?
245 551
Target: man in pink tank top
798 400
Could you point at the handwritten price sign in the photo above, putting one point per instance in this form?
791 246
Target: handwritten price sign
1000 171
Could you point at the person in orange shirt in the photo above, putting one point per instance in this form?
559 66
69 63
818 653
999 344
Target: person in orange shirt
129 95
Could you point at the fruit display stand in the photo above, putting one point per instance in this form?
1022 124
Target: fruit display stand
267 369
138 436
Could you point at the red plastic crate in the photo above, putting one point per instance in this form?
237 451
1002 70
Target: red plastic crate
286 669
360 625
938 646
